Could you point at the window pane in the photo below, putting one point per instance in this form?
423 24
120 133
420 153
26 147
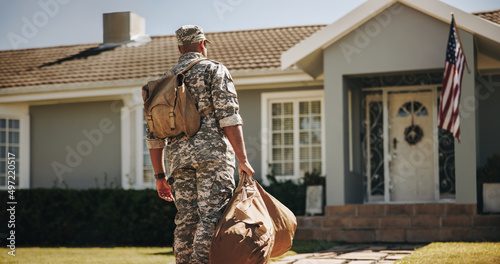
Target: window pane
14 137
316 166
2 180
3 152
3 123
276 109
276 124
316 122
277 139
15 151
277 169
288 123
3 137
316 152
288 139
304 167
3 168
316 107
277 155
304 108
13 123
288 153
304 153
288 168
304 138
288 108
304 123
147 160
316 137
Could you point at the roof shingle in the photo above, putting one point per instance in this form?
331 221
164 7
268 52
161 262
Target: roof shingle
239 50
493 16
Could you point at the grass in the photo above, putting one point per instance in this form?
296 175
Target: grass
455 253
122 255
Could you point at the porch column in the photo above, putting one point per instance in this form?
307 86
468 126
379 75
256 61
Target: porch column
466 152
336 135
131 128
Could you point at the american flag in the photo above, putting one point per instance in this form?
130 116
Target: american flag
449 119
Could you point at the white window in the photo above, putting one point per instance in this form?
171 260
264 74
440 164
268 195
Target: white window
295 126
148 172
148 178
9 147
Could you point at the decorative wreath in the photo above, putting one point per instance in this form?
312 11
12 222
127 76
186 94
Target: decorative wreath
413 134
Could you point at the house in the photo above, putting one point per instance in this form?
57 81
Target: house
333 98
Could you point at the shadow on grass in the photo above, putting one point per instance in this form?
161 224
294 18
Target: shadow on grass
168 253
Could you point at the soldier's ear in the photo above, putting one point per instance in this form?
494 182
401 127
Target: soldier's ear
179 48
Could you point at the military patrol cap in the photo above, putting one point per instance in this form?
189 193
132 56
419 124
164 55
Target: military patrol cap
190 34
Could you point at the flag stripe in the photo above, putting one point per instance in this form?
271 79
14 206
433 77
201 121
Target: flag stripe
449 117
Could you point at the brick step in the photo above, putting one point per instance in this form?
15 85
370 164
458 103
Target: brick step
401 209
407 235
401 221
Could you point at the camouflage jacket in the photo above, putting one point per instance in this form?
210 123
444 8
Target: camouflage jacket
209 83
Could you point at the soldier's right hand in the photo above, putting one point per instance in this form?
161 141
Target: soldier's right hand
164 190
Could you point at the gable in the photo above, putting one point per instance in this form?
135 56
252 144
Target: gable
306 55
397 39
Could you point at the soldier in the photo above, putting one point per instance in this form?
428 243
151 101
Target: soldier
202 166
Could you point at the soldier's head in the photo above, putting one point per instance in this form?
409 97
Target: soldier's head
191 39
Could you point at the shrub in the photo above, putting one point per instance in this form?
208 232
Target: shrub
93 217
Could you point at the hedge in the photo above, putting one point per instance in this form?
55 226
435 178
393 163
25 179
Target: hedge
107 217
93 217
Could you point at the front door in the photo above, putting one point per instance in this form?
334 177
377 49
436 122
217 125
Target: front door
411 146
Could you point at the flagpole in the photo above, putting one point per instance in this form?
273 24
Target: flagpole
460 41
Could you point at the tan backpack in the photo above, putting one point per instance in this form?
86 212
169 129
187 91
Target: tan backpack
169 107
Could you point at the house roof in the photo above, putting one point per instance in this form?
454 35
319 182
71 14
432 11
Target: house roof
240 51
493 16
307 55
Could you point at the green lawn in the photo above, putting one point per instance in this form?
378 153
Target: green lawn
121 255
455 253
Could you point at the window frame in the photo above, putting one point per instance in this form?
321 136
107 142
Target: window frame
22 168
267 99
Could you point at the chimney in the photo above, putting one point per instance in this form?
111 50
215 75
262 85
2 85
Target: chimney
124 28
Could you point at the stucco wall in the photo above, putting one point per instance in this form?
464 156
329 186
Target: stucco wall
78 143
399 39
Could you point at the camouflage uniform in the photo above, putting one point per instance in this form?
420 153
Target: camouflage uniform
201 166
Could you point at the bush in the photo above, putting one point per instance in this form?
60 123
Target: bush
93 217
291 194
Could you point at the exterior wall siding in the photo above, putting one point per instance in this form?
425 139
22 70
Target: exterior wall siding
75 145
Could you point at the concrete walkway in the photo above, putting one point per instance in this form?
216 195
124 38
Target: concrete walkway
354 254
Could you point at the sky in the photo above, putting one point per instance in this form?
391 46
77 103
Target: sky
42 23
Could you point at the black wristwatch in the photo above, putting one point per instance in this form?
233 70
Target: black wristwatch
160 175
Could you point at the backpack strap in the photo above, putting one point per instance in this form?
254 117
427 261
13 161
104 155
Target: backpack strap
191 65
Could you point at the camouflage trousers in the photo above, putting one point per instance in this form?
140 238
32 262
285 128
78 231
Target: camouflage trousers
201 192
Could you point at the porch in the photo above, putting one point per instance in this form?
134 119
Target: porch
407 223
